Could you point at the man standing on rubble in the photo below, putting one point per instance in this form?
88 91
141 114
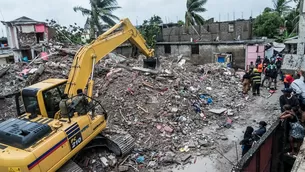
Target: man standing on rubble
258 61
256 82
251 67
246 82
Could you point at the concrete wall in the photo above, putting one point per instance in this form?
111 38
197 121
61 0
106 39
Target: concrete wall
292 62
206 52
209 32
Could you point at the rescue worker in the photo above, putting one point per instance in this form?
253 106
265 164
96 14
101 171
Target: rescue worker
251 67
258 61
266 61
266 76
256 82
271 72
246 82
278 64
260 68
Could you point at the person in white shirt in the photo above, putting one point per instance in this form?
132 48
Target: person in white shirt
298 87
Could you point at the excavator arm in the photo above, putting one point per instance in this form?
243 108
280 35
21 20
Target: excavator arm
83 64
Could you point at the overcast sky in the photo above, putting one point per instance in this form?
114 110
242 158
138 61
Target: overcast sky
136 10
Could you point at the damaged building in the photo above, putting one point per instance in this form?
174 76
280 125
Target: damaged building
22 34
6 54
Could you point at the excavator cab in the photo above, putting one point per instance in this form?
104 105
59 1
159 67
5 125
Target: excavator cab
41 99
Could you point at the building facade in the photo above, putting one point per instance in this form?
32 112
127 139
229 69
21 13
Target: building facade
23 34
203 52
211 31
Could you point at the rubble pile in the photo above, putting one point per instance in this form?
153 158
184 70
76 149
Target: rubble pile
174 113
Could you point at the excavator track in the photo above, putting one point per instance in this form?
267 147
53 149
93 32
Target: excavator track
120 145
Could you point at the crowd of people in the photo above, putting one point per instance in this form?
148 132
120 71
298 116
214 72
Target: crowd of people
253 76
292 102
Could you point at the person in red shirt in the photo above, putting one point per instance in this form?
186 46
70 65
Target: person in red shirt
288 80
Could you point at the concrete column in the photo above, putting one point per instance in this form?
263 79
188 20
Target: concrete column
301 40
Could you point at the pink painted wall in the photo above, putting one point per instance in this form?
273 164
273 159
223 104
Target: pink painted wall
252 53
40 28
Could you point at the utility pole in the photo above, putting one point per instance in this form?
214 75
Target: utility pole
301 38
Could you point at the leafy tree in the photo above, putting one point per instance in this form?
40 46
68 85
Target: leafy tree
71 34
150 29
156 19
180 22
193 8
101 11
292 21
281 6
268 24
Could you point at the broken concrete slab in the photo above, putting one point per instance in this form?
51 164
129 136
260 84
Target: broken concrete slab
117 58
218 111
104 161
123 168
186 157
141 69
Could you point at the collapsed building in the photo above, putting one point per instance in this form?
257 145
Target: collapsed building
23 34
175 113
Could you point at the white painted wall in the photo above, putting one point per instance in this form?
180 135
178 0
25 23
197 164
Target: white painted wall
28 29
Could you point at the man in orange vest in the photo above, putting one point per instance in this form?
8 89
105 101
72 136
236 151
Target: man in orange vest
260 68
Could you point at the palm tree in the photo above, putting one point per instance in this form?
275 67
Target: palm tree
101 11
193 8
281 6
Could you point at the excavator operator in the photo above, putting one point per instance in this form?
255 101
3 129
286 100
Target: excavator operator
80 103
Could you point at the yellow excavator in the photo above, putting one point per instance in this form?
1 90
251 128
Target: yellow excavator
42 138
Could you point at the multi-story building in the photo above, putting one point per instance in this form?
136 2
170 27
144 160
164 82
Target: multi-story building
23 34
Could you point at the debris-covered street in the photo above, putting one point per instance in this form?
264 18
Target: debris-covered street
180 115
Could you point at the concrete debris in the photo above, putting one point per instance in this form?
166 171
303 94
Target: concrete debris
145 70
166 111
123 168
104 161
203 143
218 111
224 138
186 157
117 58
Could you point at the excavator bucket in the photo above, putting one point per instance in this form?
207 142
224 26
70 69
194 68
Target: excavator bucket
151 63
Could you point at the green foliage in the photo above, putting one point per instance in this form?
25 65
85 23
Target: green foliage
156 19
267 24
101 11
71 34
150 29
281 6
193 8
285 36
292 21
180 23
